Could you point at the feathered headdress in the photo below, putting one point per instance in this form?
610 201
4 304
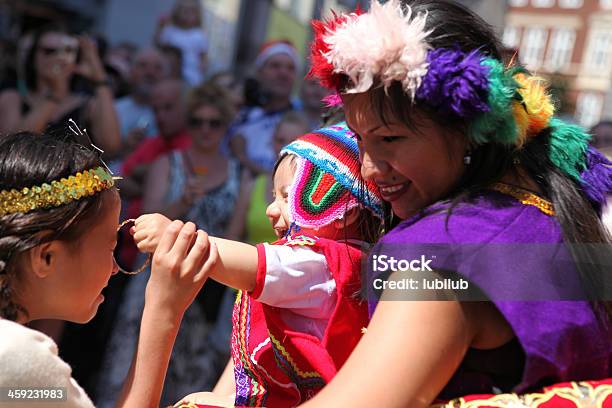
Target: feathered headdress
352 53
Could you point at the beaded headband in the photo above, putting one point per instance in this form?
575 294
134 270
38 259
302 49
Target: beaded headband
354 52
56 193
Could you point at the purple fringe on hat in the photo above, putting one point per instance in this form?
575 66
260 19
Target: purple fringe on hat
456 82
597 178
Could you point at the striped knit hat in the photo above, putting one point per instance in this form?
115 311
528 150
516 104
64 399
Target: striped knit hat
328 181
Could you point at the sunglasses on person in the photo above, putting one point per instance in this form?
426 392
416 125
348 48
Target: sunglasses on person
196 122
52 51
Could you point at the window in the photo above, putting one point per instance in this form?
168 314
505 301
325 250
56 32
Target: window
511 37
518 3
543 3
570 3
560 49
532 49
600 48
588 108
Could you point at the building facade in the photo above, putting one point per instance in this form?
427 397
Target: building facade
570 42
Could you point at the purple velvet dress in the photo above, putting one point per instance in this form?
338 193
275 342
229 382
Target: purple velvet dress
484 241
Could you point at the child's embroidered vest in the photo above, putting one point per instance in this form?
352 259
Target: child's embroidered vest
278 367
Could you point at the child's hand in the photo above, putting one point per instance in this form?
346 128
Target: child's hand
180 267
148 230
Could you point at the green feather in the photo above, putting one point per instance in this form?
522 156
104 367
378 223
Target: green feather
568 147
498 124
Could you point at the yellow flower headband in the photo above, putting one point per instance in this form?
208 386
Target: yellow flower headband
55 193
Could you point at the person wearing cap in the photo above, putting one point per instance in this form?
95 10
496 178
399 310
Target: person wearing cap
250 138
297 295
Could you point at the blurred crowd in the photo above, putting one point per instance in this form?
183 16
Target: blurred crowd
188 143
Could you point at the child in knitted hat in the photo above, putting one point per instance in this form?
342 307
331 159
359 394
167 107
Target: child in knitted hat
297 316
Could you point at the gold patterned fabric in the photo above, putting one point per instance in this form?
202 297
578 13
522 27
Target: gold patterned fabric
526 197
584 394
55 193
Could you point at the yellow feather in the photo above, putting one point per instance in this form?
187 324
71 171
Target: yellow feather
538 102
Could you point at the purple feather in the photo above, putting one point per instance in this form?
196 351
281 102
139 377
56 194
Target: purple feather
597 178
456 82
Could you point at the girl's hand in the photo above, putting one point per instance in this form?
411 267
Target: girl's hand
148 230
180 267
91 66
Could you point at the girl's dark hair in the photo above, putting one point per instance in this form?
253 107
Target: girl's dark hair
29 159
453 25
30 60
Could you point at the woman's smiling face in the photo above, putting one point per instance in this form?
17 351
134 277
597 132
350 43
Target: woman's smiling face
413 169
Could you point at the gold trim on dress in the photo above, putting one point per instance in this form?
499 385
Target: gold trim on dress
582 394
526 197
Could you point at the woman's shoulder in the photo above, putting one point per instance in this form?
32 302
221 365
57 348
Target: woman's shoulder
489 217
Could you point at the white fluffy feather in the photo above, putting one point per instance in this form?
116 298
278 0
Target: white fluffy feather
386 43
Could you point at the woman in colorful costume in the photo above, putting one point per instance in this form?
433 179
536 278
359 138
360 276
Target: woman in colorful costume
59 213
298 315
466 150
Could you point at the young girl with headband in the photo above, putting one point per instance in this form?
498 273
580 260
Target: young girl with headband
298 314
468 153
59 213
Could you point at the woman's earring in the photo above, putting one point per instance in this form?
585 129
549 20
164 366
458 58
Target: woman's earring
467 159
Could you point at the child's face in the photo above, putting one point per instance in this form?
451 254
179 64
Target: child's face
84 269
187 12
278 210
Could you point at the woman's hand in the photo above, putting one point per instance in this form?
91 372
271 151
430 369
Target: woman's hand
194 190
90 66
148 230
181 265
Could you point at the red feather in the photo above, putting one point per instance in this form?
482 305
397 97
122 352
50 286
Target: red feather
320 67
